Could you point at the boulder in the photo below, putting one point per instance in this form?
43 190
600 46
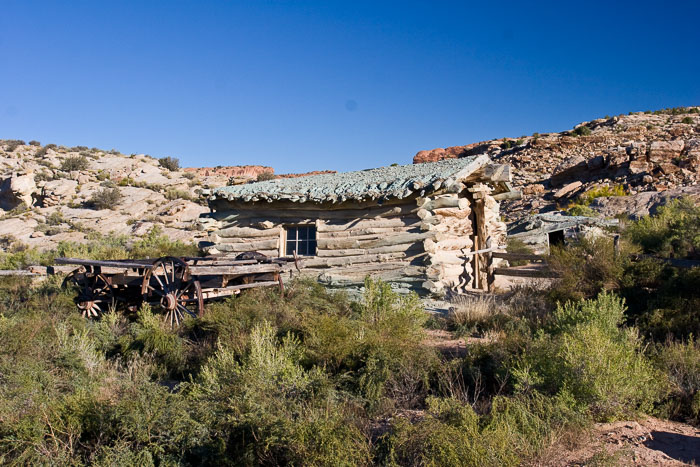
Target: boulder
668 168
637 150
568 190
16 190
665 151
638 167
574 167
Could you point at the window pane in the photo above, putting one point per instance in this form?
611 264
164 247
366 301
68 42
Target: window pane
301 239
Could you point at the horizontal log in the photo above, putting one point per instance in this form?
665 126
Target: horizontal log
107 263
234 270
508 195
371 251
452 212
446 257
17 272
519 256
524 272
359 259
248 240
447 244
355 224
247 232
365 232
248 246
350 243
445 201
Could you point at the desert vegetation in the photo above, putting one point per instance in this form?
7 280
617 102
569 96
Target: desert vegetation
313 377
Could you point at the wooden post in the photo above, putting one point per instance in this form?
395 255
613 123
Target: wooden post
481 272
490 275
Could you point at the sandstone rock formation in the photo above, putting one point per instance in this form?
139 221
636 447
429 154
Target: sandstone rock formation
46 199
643 152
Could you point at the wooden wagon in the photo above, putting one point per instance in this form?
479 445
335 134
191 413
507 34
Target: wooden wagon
178 286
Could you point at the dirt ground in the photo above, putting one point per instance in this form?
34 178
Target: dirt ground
648 441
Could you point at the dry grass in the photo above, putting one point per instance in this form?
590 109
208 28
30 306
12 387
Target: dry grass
469 311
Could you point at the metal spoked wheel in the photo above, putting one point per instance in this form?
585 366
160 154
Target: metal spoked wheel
95 292
168 285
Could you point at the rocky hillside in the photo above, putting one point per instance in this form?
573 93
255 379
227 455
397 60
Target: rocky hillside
640 159
54 193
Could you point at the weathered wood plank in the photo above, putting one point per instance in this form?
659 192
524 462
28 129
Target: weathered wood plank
519 256
524 272
402 238
226 291
248 232
350 225
232 270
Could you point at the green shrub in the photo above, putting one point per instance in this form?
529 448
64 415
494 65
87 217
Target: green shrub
155 244
266 408
173 193
582 130
671 232
264 176
513 432
587 266
170 163
12 144
581 210
106 198
586 354
681 363
687 120
34 143
72 163
600 192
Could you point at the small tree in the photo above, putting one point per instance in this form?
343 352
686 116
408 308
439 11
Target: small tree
265 176
170 163
107 198
72 163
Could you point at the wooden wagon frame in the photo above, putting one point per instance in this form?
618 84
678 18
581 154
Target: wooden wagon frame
178 286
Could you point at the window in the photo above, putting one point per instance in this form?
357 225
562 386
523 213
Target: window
301 239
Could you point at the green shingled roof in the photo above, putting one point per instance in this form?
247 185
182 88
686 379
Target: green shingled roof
398 181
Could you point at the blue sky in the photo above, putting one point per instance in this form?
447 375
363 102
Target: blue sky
332 85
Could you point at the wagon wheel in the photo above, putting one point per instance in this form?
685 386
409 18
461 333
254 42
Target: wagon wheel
95 292
168 285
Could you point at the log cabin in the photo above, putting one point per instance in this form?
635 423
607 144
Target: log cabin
423 227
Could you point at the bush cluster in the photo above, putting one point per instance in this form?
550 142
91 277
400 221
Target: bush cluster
105 198
72 163
170 163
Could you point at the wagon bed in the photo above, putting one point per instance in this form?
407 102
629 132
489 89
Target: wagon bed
177 285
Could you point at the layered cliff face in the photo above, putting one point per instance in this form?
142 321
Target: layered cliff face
654 153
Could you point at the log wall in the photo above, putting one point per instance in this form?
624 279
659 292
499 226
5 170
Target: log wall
415 243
